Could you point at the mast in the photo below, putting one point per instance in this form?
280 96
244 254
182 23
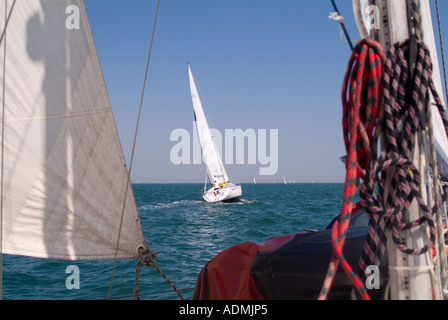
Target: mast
411 276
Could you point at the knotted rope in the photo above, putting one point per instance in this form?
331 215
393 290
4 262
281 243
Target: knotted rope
404 114
360 113
407 88
147 258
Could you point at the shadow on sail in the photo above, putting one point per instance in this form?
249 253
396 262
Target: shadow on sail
65 177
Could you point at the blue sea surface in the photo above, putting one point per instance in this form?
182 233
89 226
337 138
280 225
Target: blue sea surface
186 232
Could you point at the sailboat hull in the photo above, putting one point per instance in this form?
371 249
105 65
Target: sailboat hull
231 193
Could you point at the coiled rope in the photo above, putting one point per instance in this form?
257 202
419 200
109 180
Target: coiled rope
407 82
405 114
407 87
360 112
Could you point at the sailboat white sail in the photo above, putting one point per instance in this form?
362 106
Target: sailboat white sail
222 189
66 189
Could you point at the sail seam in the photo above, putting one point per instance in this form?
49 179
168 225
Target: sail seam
60 116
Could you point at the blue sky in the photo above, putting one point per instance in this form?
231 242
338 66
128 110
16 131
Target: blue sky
261 64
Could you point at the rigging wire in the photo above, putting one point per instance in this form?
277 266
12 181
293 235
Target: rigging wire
7 20
134 143
347 36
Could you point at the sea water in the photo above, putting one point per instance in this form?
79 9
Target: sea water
186 232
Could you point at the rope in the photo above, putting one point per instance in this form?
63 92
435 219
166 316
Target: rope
133 146
360 114
407 82
146 258
404 114
167 280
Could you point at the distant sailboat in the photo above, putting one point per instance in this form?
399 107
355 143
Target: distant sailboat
222 188
284 180
255 181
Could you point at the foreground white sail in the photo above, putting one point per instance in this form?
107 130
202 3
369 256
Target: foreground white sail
222 189
64 173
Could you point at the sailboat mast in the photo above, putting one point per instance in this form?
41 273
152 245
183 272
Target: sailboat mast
401 27
438 140
404 280
411 276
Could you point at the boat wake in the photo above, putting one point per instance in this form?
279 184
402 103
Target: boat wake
171 204
184 203
247 201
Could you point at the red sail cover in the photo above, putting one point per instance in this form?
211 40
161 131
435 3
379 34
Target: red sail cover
285 268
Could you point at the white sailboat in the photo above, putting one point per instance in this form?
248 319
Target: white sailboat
66 192
222 188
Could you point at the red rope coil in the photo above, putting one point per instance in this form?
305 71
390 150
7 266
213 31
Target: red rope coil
361 107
